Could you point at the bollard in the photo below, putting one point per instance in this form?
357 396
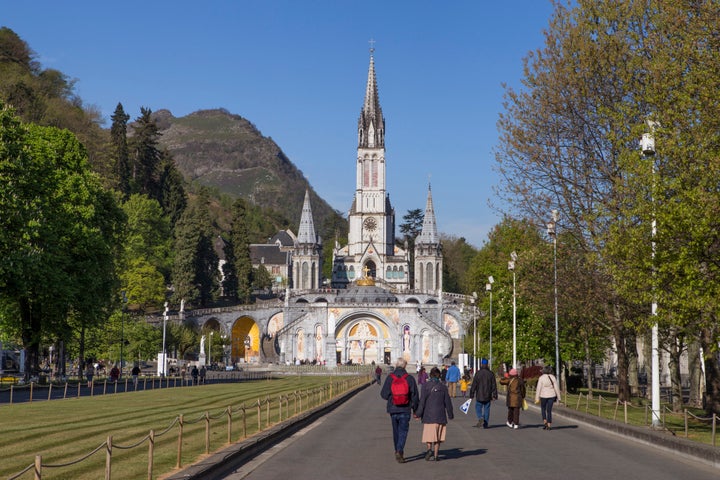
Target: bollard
178 464
31 390
108 457
65 393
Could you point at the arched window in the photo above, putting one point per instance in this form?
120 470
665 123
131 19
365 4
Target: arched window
429 281
304 276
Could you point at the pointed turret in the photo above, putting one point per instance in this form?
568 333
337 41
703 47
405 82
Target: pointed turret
306 232
371 125
429 229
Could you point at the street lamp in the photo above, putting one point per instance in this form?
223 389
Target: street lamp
164 354
210 349
475 339
647 145
488 287
511 267
122 329
551 230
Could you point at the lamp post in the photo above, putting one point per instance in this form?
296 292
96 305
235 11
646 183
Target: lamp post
475 337
511 267
122 330
164 354
210 349
551 230
647 145
488 287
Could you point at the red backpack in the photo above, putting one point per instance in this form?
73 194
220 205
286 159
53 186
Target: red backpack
400 390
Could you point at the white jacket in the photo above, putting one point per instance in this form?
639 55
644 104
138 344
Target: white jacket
547 387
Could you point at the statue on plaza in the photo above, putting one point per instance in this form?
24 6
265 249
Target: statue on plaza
202 345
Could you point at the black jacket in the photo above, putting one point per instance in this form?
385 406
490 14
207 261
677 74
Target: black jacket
435 403
484 386
386 393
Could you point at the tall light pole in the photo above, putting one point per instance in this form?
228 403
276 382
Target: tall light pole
488 288
210 349
551 229
475 337
647 145
164 354
511 267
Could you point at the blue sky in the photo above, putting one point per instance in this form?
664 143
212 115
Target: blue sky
297 70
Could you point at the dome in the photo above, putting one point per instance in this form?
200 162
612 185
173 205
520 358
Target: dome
366 294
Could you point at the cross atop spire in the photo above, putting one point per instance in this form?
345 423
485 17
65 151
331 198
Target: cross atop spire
371 125
372 46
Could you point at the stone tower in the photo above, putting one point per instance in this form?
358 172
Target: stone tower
306 257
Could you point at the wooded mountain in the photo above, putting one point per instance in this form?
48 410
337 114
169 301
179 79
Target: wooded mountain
215 148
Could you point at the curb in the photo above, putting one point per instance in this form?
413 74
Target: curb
220 464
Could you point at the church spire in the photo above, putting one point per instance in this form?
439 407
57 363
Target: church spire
371 125
429 229
306 232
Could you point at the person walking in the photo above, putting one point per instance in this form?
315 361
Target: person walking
378 374
514 397
203 372
464 382
401 393
422 378
484 389
114 374
194 374
135 374
547 393
434 411
452 377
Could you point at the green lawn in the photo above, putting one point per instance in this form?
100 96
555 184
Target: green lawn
63 431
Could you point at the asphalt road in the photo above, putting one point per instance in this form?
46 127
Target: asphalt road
355 442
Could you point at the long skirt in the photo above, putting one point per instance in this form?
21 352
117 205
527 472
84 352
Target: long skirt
433 432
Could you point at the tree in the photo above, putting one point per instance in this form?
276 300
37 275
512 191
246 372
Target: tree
261 278
195 271
145 155
58 247
240 244
118 138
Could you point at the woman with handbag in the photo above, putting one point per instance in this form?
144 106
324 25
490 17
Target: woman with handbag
435 409
514 397
547 393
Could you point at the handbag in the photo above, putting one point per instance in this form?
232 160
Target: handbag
524 404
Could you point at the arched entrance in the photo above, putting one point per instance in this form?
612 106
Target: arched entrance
245 347
371 269
361 341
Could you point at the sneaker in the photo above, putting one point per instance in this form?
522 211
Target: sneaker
479 424
509 424
515 426
399 457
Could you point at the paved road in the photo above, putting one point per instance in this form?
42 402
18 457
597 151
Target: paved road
355 442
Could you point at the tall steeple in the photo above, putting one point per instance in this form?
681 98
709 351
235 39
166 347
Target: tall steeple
371 125
429 229
306 232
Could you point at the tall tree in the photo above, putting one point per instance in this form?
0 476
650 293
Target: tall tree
145 155
240 244
121 151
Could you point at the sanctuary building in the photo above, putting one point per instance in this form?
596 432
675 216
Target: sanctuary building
370 310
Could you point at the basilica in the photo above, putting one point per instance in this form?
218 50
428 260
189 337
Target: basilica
372 310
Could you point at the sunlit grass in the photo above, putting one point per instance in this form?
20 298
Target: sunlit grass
65 430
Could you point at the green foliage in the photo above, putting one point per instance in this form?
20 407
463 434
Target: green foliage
261 278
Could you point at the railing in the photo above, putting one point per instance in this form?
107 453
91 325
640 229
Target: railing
265 412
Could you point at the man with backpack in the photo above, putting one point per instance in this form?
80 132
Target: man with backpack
401 393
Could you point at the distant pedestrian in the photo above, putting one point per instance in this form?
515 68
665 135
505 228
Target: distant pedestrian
401 393
135 374
422 378
378 374
484 389
434 410
194 374
114 373
89 373
203 372
514 397
452 377
464 382
443 373
547 393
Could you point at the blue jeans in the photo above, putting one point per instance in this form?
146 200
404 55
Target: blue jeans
401 426
482 410
546 405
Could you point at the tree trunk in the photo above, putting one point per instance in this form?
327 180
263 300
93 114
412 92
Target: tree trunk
712 373
695 371
618 331
633 381
31 328
675 349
